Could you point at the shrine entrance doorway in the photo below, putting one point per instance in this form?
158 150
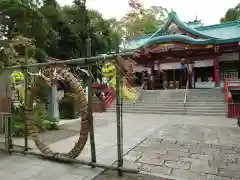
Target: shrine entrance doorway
175 79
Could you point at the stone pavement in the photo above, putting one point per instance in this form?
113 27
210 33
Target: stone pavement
111 175
189 152
168 141
32 168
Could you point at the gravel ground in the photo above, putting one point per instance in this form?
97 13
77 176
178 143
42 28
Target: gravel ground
112 175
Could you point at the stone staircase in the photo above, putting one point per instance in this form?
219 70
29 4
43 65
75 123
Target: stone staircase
199 102
206 102
152 103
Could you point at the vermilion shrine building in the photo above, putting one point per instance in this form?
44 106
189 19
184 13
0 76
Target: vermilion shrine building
179 52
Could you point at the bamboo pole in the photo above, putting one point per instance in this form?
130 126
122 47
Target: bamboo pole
77 161
8 131
26 97
79 61
118 118
121 121
90 109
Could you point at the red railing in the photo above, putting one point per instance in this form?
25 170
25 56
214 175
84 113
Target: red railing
233 108
227 91
109 98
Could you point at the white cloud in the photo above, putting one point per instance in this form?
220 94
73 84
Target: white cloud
210 11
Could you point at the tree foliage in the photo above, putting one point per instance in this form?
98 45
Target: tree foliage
145 21
61 32
232 14
56 31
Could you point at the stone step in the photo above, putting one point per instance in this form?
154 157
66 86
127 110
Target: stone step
167 109
163 94
162 99
156 101
188 95
207 94
205 91
154 96
166 103
167 91
177 113
205 97
205 100
158 104
182 99
223 108
199 102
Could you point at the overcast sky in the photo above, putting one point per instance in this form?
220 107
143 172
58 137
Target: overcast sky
209 11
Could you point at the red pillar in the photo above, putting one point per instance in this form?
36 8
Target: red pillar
216 72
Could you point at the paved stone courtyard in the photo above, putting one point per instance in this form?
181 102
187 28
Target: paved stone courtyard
189 152
111 175
175 147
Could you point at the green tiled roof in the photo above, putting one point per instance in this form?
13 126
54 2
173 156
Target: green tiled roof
214 34
135 43
172 17
222 31
187 40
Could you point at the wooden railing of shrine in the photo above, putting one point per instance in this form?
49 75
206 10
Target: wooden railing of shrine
106 98
5 109
233 107
228 94
233 110
5 104
111 95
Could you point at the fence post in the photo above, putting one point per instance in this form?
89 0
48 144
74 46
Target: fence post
26 98
119 122
90 108
8 131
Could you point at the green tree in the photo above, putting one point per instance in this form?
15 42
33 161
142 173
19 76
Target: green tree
145 21
56 31
115 34
232 14
21 18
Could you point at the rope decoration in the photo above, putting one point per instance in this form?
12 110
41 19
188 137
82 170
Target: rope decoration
47 76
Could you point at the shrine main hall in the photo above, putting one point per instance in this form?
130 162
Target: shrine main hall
180 53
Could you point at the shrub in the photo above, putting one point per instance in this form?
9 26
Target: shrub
44 121
69 106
